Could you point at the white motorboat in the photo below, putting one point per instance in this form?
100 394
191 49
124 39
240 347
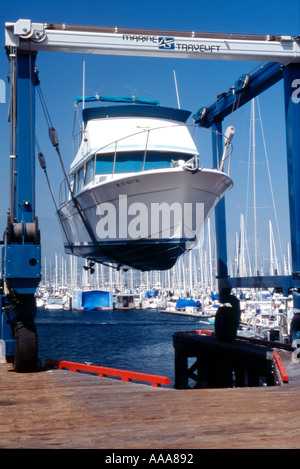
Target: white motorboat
54 303
136 195
124 301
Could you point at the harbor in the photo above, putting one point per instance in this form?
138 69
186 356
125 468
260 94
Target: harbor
151 330
135 340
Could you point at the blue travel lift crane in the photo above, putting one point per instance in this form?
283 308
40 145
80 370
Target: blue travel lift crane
245 89
21 249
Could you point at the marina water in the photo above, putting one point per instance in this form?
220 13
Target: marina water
136 340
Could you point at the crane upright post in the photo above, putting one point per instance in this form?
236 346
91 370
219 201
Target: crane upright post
21 251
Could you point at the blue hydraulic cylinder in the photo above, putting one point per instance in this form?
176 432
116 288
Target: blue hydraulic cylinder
220 212
24 197
292 115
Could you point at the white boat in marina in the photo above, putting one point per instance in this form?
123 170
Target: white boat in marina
124 301
270 326
39 302
267 319
54 303
150 304
188 307
137 195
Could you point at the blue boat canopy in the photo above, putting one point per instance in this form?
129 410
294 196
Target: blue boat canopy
183 303
158 112
96 299
151 293
214 296
116 99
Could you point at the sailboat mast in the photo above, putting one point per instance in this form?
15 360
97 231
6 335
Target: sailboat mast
254 186
83 85
271 250
210 256
176 87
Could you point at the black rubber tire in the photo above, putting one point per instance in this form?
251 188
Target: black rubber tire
26 356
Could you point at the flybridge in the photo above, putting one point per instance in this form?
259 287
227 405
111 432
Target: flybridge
26 35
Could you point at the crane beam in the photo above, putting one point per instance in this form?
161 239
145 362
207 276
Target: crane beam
29 36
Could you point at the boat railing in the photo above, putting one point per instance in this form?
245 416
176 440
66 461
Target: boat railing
115 148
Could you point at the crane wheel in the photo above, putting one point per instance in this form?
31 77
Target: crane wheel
26 356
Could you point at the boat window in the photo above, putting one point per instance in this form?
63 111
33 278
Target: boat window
89 171
127 162
104 163
79 180
161 160
72 179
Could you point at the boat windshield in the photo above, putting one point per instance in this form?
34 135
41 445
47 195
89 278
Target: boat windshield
127 162
105 164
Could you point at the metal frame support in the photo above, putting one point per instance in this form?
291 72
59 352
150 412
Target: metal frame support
25 101
220 212
245 89
227 318
27 35
21 251
292 114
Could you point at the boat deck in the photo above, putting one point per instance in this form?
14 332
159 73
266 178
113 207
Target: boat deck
57 409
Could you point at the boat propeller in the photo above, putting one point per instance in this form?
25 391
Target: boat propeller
90 267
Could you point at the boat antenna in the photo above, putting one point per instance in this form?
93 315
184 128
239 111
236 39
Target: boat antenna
176 87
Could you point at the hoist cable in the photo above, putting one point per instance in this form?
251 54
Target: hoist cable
55 142
44 107
42 162
43 165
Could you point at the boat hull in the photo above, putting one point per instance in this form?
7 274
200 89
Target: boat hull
142 220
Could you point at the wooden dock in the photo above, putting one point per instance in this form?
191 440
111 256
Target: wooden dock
244 362
58 409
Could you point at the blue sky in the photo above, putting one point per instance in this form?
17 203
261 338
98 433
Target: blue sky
199 81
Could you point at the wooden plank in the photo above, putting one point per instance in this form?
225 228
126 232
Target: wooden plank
61 409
